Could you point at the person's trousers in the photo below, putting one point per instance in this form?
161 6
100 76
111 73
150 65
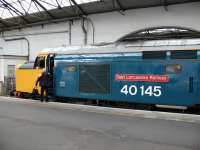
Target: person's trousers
44 89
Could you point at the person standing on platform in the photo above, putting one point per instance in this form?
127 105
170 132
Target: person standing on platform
43 80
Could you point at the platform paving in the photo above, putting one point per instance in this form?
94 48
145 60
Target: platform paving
31 125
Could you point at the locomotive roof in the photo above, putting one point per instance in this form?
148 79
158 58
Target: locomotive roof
138 46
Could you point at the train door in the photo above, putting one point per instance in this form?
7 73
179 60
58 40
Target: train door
71 79
66 79
198 85
183 75
182 88
50 70
39 66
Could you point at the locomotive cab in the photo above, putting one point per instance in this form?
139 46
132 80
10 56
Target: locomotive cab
28 73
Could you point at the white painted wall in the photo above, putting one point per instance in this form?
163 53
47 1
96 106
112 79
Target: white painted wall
7 60
108 27
15 48
1 70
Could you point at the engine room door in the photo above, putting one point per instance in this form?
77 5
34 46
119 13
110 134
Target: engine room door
182 88
198 86
65 79
69 79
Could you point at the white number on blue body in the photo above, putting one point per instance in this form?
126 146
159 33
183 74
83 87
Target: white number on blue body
132 90
142 90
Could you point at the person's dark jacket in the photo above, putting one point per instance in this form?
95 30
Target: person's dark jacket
43 80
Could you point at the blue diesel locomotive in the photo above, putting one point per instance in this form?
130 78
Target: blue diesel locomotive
167 77
163 69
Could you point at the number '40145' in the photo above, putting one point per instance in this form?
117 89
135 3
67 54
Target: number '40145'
142 90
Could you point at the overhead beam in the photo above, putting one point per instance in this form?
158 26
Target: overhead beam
58 5
39 4
39 23
3 23
16 11
79 7
22 6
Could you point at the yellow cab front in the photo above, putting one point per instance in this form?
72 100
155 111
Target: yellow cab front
28 73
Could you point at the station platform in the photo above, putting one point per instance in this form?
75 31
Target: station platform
32 125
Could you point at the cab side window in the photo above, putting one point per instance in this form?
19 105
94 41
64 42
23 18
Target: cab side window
40 62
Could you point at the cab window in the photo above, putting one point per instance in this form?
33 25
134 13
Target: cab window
40 62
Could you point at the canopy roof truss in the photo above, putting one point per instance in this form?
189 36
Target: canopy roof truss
22 13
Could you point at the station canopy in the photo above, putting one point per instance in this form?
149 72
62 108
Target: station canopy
15 14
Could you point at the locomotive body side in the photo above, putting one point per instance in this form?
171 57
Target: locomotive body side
130 77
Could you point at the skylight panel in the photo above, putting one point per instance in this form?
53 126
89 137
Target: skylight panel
5 12
13 8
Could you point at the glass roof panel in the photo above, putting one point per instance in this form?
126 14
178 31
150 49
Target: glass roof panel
12 8
161 33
